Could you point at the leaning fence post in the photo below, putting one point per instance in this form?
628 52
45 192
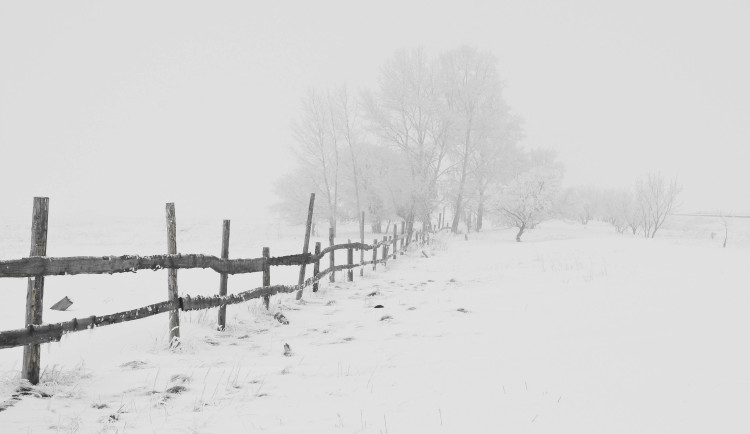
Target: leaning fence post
306 246
395 241
266 275
331 255
374 254
35 288
362 240
316 267
224 277
172 293
350 262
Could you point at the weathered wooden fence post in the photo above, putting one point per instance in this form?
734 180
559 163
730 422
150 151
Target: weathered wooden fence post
403 237
374 254
316 267
395 241
362 240
266 275
35 288
306 246
172 292
385 249
350 262
224 277
332 255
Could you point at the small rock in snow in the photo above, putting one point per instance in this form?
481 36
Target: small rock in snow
378 306
287 350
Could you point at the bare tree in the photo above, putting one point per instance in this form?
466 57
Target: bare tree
656 200
473 93
530 197
317 149
725 223
346 110
405 114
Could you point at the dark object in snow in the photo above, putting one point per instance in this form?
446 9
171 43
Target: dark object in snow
287 350
460 309
466 237
281 318
176 389
424 254
372 294
378 306
385 317
63 304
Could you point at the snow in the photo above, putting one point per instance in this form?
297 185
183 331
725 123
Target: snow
577 329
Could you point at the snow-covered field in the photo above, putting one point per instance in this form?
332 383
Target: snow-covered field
577 329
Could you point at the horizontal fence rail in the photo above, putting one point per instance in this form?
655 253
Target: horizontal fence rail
49 266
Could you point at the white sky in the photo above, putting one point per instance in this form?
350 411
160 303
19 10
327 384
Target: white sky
117 108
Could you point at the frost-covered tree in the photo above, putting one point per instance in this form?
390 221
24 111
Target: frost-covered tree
317 151
656 200
530 197
405 114
476 108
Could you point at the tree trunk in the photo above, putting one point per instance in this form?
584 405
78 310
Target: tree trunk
520 232
459 200
480 212
377 227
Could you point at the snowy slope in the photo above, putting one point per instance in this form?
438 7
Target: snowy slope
574 330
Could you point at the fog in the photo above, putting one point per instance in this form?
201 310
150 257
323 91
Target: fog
111 110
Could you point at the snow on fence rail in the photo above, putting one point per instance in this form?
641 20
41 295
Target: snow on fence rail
38 265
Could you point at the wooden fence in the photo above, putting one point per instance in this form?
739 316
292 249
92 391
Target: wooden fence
37 265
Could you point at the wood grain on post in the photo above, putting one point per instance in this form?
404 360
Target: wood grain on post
223 277
306 245
350 262
266 276
316 266
35 288
332 257
385 248
362 240
172 292
374 254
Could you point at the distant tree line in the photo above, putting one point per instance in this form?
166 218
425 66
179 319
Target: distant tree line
642 209
434 136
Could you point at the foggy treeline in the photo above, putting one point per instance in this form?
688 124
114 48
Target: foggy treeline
436 136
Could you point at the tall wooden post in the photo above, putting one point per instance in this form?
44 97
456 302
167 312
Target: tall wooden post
362 240
374 254
403 238
385 248
306 246
395 241
35 288
266 275
350 262
172 293
331 256
316 267
224 277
